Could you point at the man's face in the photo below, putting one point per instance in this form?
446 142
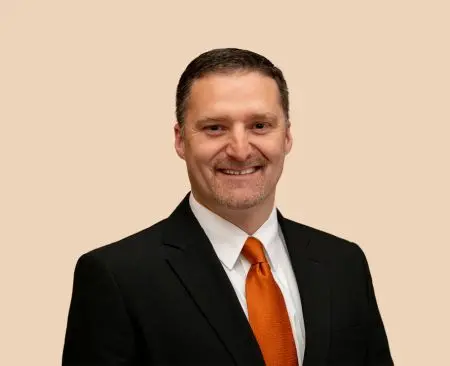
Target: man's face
235 139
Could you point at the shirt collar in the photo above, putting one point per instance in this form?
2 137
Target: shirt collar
228 239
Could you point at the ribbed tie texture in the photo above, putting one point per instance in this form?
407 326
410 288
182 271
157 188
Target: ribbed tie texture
267 310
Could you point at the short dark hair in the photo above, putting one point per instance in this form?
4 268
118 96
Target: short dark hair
227 60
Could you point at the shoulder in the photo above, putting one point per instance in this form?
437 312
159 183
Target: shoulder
344 259
128 253
323 245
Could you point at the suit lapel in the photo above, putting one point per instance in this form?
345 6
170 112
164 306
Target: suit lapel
192 257
314 288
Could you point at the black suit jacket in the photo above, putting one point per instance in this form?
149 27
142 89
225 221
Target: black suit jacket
161 297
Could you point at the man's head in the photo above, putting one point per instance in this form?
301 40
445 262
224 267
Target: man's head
232 127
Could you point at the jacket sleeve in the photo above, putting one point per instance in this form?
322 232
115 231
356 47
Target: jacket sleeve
99 331
378 352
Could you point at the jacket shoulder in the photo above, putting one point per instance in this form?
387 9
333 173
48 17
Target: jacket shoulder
322 244
130 250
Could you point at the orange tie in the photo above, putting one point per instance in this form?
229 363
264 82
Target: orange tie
267 311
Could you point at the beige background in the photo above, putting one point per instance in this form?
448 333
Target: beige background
87 108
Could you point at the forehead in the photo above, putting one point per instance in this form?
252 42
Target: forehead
235 95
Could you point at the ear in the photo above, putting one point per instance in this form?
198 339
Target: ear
288 140
179 140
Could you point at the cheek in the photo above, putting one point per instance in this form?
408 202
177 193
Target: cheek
201 156
274 152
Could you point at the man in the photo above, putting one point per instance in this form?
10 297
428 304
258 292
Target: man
226 279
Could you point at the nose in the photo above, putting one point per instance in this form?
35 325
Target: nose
239 147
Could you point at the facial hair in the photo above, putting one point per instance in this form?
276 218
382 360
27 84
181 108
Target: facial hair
225 193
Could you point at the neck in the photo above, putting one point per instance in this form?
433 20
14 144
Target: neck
249 219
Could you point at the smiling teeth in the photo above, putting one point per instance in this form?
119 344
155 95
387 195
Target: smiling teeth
239 172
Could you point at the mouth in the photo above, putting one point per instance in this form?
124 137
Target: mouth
240 172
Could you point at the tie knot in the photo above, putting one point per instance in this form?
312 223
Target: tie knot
253 251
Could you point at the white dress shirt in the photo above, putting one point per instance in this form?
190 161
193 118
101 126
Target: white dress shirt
228 241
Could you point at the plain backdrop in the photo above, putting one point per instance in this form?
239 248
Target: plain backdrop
87 97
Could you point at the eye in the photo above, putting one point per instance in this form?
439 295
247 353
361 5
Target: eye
213 129
261 126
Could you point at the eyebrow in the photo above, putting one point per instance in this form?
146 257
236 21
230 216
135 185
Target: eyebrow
264 116
212 119
270 117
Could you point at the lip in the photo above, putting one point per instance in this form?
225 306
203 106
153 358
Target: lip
240 176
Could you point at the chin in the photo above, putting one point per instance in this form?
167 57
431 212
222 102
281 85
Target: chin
240 202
